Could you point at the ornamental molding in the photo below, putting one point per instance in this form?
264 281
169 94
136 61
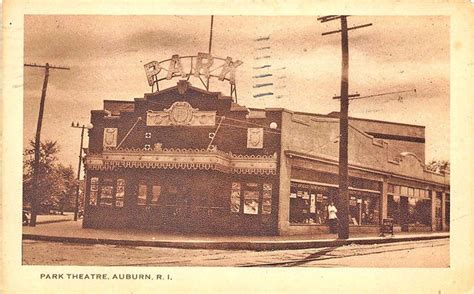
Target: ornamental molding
189 159
181 113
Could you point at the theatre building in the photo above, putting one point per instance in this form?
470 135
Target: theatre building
189 160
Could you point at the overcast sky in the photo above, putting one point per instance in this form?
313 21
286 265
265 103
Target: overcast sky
106 55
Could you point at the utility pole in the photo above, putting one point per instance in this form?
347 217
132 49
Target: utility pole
342 202
76 206
210 45
36 169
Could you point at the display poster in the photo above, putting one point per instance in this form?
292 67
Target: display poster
267 206
106 191
93 198
156 192
142 191
94 184
319 197
251 202
312 207
267 199
235 198
305 195
235 201
120 193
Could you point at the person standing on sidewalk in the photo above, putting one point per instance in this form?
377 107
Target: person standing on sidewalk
332 217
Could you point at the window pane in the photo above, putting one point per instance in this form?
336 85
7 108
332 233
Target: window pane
397 189
404 190
354 209
393 208
411 210
370 210
120 194
322 202
423 212
300 205
391 188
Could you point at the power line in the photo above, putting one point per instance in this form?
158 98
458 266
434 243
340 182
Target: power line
357 96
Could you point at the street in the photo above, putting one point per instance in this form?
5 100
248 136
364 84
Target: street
429 253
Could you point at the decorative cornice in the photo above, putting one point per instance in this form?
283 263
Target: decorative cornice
189 159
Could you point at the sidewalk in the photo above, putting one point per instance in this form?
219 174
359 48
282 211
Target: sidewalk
53 218
71 231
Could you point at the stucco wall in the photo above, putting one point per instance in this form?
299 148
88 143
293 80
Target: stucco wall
318 136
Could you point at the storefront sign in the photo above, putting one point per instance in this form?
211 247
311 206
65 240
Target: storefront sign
181 113
202 64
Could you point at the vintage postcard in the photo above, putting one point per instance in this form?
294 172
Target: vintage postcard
176 148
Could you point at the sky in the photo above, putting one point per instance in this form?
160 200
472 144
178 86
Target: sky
106 55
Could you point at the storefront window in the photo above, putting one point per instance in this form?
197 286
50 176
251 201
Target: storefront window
393 208
364 208
93 191
415 209
322 202
142 192
308 203
120 193
423 212
438 204
370 210
106 192
411 210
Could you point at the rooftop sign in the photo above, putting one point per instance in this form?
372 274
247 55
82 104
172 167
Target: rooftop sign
202 65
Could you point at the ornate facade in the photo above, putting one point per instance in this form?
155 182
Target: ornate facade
189 160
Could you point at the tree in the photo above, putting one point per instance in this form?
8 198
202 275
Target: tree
439 166
56 182
67 188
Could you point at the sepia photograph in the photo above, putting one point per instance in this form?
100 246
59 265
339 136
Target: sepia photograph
159 149
202 146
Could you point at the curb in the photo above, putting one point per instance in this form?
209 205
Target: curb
244 245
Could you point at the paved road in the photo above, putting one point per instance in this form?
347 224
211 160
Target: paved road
430 253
